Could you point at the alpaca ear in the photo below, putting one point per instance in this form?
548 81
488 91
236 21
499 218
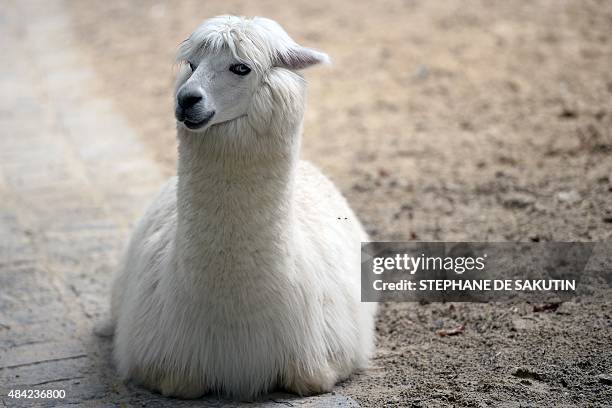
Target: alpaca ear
301 57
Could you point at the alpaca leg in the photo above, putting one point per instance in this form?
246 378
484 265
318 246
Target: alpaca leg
309 382
170 385
181 388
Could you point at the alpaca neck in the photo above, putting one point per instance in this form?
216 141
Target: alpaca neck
232 202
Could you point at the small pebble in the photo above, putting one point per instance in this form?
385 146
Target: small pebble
605 379
570 197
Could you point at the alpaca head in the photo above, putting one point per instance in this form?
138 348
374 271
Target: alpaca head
232 70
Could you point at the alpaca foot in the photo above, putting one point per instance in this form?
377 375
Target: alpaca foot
180 389
316 382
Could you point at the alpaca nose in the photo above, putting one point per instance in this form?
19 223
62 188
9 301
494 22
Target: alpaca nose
188 97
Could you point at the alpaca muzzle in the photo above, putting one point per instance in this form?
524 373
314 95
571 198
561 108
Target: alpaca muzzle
190 108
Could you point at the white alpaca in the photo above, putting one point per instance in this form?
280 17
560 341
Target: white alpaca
241 278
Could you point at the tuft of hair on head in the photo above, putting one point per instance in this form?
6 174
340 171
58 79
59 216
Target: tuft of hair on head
259 42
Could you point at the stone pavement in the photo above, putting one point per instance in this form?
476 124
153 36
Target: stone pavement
73 179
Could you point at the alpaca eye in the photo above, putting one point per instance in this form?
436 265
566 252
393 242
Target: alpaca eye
192 66
240 69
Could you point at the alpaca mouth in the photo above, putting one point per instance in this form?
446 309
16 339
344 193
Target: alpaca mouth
193 125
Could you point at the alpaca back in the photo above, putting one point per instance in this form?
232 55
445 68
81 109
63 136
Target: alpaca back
334 236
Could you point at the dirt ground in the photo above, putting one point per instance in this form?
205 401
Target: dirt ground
454 120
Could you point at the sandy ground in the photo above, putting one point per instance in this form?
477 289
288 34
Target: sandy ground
455 120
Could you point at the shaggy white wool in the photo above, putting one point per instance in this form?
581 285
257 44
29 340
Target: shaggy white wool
240 277
259 42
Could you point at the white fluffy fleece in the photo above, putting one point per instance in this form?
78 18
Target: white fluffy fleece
240 278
